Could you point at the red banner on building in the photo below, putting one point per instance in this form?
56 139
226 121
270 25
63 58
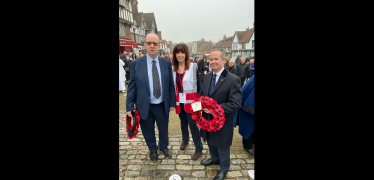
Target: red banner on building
124 43
135 45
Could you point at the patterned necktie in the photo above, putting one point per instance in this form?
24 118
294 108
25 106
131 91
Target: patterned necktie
156 81
212 84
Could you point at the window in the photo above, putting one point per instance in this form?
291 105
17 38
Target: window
235 46
126 4
253 44
121 30
243 46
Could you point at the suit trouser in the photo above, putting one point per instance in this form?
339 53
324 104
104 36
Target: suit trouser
156 113
220 154
186 120
247 143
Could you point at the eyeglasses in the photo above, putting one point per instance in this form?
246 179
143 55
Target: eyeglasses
149 43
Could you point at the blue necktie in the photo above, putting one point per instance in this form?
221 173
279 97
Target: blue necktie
212 84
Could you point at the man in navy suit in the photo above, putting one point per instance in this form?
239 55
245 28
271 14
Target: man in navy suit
151 89
223 87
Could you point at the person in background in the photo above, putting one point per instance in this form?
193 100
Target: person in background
252 70
187 87
133 57
245 117
127 62
122 75
201 68
123 58
232 67
227 62
207 67
242 70
196 59
237 60
247 59
191 60
251 61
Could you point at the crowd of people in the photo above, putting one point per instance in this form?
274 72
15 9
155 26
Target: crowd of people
161 84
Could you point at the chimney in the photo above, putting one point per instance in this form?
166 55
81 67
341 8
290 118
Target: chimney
135 7
159 35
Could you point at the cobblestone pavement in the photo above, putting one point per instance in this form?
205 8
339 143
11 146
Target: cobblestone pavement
135 163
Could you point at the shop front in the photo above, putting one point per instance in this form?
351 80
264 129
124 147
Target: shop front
125 45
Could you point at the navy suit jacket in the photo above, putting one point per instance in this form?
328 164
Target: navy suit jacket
138 92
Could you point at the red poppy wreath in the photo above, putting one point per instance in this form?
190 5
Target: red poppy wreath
218 115
132 129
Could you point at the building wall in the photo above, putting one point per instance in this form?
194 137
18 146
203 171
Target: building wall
125 12
235 46
127 31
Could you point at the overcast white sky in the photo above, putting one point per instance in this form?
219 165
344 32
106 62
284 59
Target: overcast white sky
191 20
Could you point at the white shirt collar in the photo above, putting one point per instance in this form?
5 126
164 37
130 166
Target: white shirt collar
219 72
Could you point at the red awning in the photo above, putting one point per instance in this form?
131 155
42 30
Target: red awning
124 42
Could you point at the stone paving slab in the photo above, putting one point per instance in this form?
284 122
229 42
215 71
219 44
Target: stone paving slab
135 163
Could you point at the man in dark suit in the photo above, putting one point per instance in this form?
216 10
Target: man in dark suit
243 69
200 68
151 89
232 67
224 88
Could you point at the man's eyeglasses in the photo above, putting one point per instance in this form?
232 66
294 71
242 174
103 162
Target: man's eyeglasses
149 43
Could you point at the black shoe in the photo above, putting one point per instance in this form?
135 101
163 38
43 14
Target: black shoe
220 176
167 152
153 156
207 162
251 152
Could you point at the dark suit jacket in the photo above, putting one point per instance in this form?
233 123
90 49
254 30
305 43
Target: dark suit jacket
138 92
234 69
227 92
243 70
200 66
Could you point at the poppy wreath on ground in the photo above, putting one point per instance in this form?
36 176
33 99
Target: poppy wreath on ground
132 129
217 112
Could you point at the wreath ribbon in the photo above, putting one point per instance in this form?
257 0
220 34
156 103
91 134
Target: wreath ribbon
132 129
217 112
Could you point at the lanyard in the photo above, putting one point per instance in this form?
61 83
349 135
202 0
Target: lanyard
181 79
